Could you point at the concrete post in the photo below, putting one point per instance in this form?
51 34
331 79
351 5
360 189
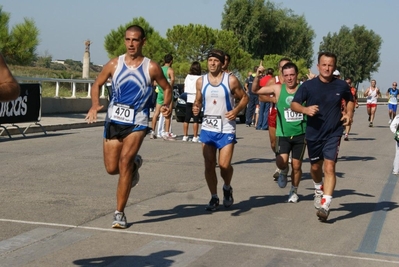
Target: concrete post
86 60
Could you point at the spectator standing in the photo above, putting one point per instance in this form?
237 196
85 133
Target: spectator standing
348 80
264 106
190 90
253 99
394 128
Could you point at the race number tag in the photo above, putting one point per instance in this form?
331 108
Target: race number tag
122 113
213 122
291 116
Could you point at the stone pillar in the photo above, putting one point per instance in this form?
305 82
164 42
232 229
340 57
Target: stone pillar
86 60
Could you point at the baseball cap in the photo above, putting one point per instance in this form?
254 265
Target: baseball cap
336 73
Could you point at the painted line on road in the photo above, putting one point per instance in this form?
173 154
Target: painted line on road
373 231
126 231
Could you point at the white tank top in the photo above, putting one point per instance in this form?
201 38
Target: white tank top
217 101
372 96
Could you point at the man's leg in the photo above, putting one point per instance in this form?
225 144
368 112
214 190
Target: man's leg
226 172
118 158
209 153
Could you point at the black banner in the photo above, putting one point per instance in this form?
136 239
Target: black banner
26 108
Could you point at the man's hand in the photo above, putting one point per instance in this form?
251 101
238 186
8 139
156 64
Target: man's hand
91 116
196 110
231 115
347 120
165 110
260 69
312 110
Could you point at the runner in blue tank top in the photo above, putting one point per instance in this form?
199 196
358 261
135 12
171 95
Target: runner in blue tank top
128 113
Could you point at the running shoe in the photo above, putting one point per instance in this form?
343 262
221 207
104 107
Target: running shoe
185 138
323 212
173 135
138 161
346 138
119 220
276 174
293 197
213 204
168 137
282 180
228 199
318 195
152 135
370 124
196 140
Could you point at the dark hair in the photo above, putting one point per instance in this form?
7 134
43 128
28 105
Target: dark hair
195 68
137 28
327 54
219 54
228 57
290 65
168 58
348 78
270 71
283 59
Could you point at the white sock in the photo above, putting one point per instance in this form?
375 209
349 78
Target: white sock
326 200
318 186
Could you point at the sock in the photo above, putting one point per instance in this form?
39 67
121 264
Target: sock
226 187
318 186
116 211
326 200
215 196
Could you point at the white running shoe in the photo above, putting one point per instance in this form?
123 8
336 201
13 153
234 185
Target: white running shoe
185 138
168 137
293 197
196 140
318 195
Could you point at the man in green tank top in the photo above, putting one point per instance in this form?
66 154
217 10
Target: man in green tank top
290 128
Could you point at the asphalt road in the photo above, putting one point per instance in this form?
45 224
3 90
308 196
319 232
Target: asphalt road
57 203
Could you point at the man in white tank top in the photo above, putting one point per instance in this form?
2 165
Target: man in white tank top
372 93
216 93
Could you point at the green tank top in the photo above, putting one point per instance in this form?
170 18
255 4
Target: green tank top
160 90
289 123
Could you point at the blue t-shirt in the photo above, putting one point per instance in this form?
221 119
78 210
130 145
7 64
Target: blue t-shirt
249 81
328 96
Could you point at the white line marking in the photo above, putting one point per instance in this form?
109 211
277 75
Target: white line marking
126 231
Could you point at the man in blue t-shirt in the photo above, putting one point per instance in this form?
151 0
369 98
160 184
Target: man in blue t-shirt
323 96
392 95
253 99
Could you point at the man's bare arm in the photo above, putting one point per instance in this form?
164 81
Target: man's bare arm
9 87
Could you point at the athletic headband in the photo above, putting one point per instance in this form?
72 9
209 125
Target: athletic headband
212 54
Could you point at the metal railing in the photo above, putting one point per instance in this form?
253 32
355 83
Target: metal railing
57 82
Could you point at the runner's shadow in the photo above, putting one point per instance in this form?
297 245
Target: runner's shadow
361 139
357 209
254 160
154 259
355 158
337 194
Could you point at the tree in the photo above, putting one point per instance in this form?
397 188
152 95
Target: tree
155 48
265 28
19 45
357 52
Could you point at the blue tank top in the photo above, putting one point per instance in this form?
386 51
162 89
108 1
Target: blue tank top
131 94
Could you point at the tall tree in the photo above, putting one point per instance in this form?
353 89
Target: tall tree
357 51
19 44
264 28
155 48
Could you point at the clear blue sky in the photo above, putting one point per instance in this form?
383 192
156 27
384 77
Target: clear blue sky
65 25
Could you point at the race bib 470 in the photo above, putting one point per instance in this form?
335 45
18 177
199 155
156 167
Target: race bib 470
122 113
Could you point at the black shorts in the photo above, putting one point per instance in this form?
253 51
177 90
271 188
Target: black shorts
324 149
294 144
189 114
120 131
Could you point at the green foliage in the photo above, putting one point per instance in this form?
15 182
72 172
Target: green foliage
155 48
264 28
357 52
271 61
19 45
